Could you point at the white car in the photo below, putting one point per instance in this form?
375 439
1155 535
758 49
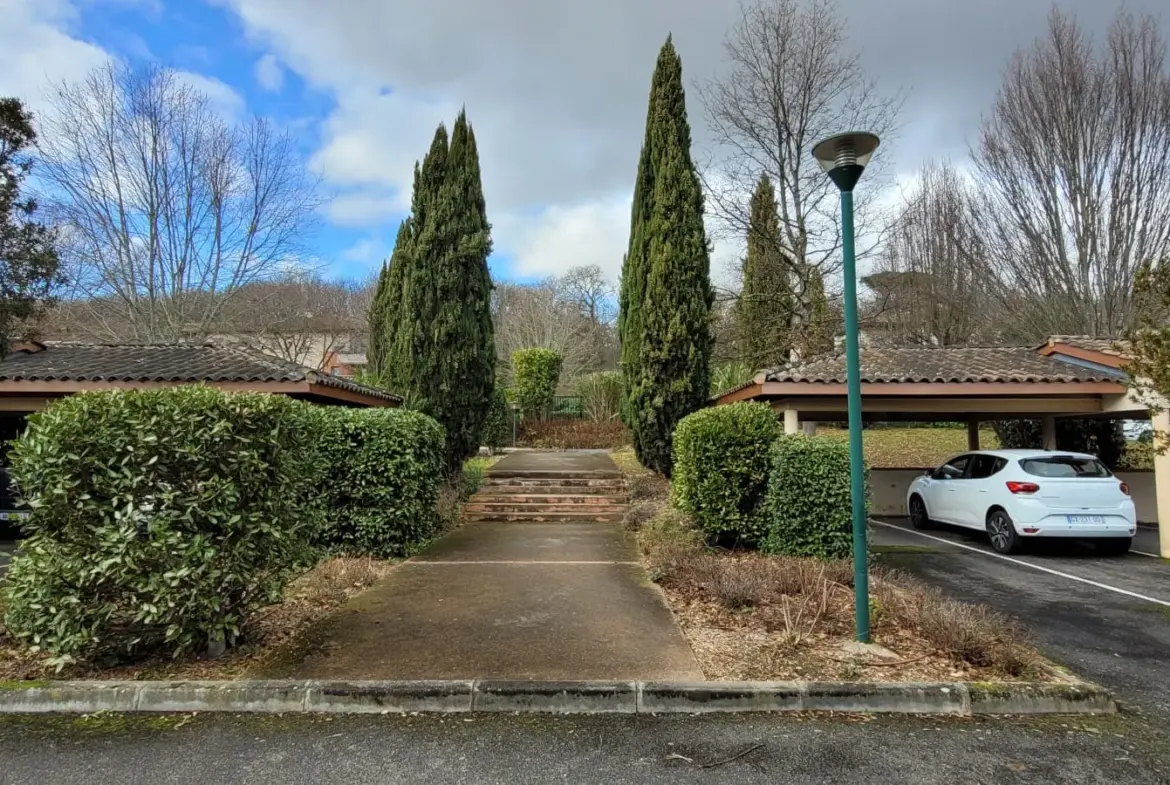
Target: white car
1017 495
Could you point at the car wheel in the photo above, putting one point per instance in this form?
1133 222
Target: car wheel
1114 546
919 518
1002 532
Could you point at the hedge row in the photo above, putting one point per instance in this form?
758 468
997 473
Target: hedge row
746 484
161 519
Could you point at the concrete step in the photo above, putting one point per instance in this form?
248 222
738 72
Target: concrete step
541 509
553 490
583 499
547 517
525 474
524 485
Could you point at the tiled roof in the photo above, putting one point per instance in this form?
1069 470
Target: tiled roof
1008 365
178 363
1114 346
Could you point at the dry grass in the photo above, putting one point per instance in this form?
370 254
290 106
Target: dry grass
274 634
756 617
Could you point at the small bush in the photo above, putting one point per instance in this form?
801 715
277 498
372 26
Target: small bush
640 512
160 519
536 374
808 511
382 471
601 395
974 634
497 428
720 477
573 434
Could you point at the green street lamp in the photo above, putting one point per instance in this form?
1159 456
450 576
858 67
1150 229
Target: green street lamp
844 157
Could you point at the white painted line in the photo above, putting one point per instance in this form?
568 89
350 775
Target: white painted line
1048 570
525 561
1143 553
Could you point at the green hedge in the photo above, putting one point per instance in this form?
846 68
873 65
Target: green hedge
808 505
382 469
497 428
720 475
160 519
536 373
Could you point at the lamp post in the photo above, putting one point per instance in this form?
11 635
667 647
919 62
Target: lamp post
843 157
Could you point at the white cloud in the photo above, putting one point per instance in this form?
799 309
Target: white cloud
557 92
559 237
365 207
224 99
38 49
365 251
269 74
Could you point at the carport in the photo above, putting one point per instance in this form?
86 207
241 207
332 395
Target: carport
1068 376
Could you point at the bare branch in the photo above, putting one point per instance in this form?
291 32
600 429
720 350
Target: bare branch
166 209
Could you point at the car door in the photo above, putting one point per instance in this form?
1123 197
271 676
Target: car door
943 488
973 490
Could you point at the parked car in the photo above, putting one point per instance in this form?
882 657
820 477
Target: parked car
1019 495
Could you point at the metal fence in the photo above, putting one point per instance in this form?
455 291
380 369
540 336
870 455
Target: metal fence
570 407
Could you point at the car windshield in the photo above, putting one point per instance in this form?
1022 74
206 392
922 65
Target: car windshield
1064 466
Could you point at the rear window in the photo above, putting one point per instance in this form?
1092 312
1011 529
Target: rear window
1065 466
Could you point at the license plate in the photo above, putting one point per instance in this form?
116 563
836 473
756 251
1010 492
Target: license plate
1096 520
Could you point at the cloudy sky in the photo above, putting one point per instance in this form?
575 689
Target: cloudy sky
556 90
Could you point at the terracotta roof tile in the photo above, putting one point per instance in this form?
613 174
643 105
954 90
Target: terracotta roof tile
1114 346
1008 365
178 363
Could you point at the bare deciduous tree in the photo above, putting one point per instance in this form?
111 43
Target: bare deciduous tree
570 315
792 80
299 318
925 288
1072 167
163 202
592 291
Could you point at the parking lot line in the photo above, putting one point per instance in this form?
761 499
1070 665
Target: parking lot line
1037 567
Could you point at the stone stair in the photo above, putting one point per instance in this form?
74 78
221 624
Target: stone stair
547 496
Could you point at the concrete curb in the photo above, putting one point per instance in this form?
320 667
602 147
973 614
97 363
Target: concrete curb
569 697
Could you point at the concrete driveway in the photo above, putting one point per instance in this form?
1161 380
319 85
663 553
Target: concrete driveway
1106 618
548 601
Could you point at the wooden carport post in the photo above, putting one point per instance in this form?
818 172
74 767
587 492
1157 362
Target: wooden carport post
972 433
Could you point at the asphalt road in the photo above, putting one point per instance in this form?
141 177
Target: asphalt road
732 750
1106 618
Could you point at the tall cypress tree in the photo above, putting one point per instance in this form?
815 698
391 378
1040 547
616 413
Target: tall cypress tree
462 356
406 372
674 341
385 311
764 309
377 317
440 344
636 265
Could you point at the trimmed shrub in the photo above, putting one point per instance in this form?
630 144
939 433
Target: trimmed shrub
720 477
536 373
382 470
160 519
601 395
808 505
497 428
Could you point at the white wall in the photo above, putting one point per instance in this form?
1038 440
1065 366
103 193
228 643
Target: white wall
887 489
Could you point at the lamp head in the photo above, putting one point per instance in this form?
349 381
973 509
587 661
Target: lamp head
844 156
